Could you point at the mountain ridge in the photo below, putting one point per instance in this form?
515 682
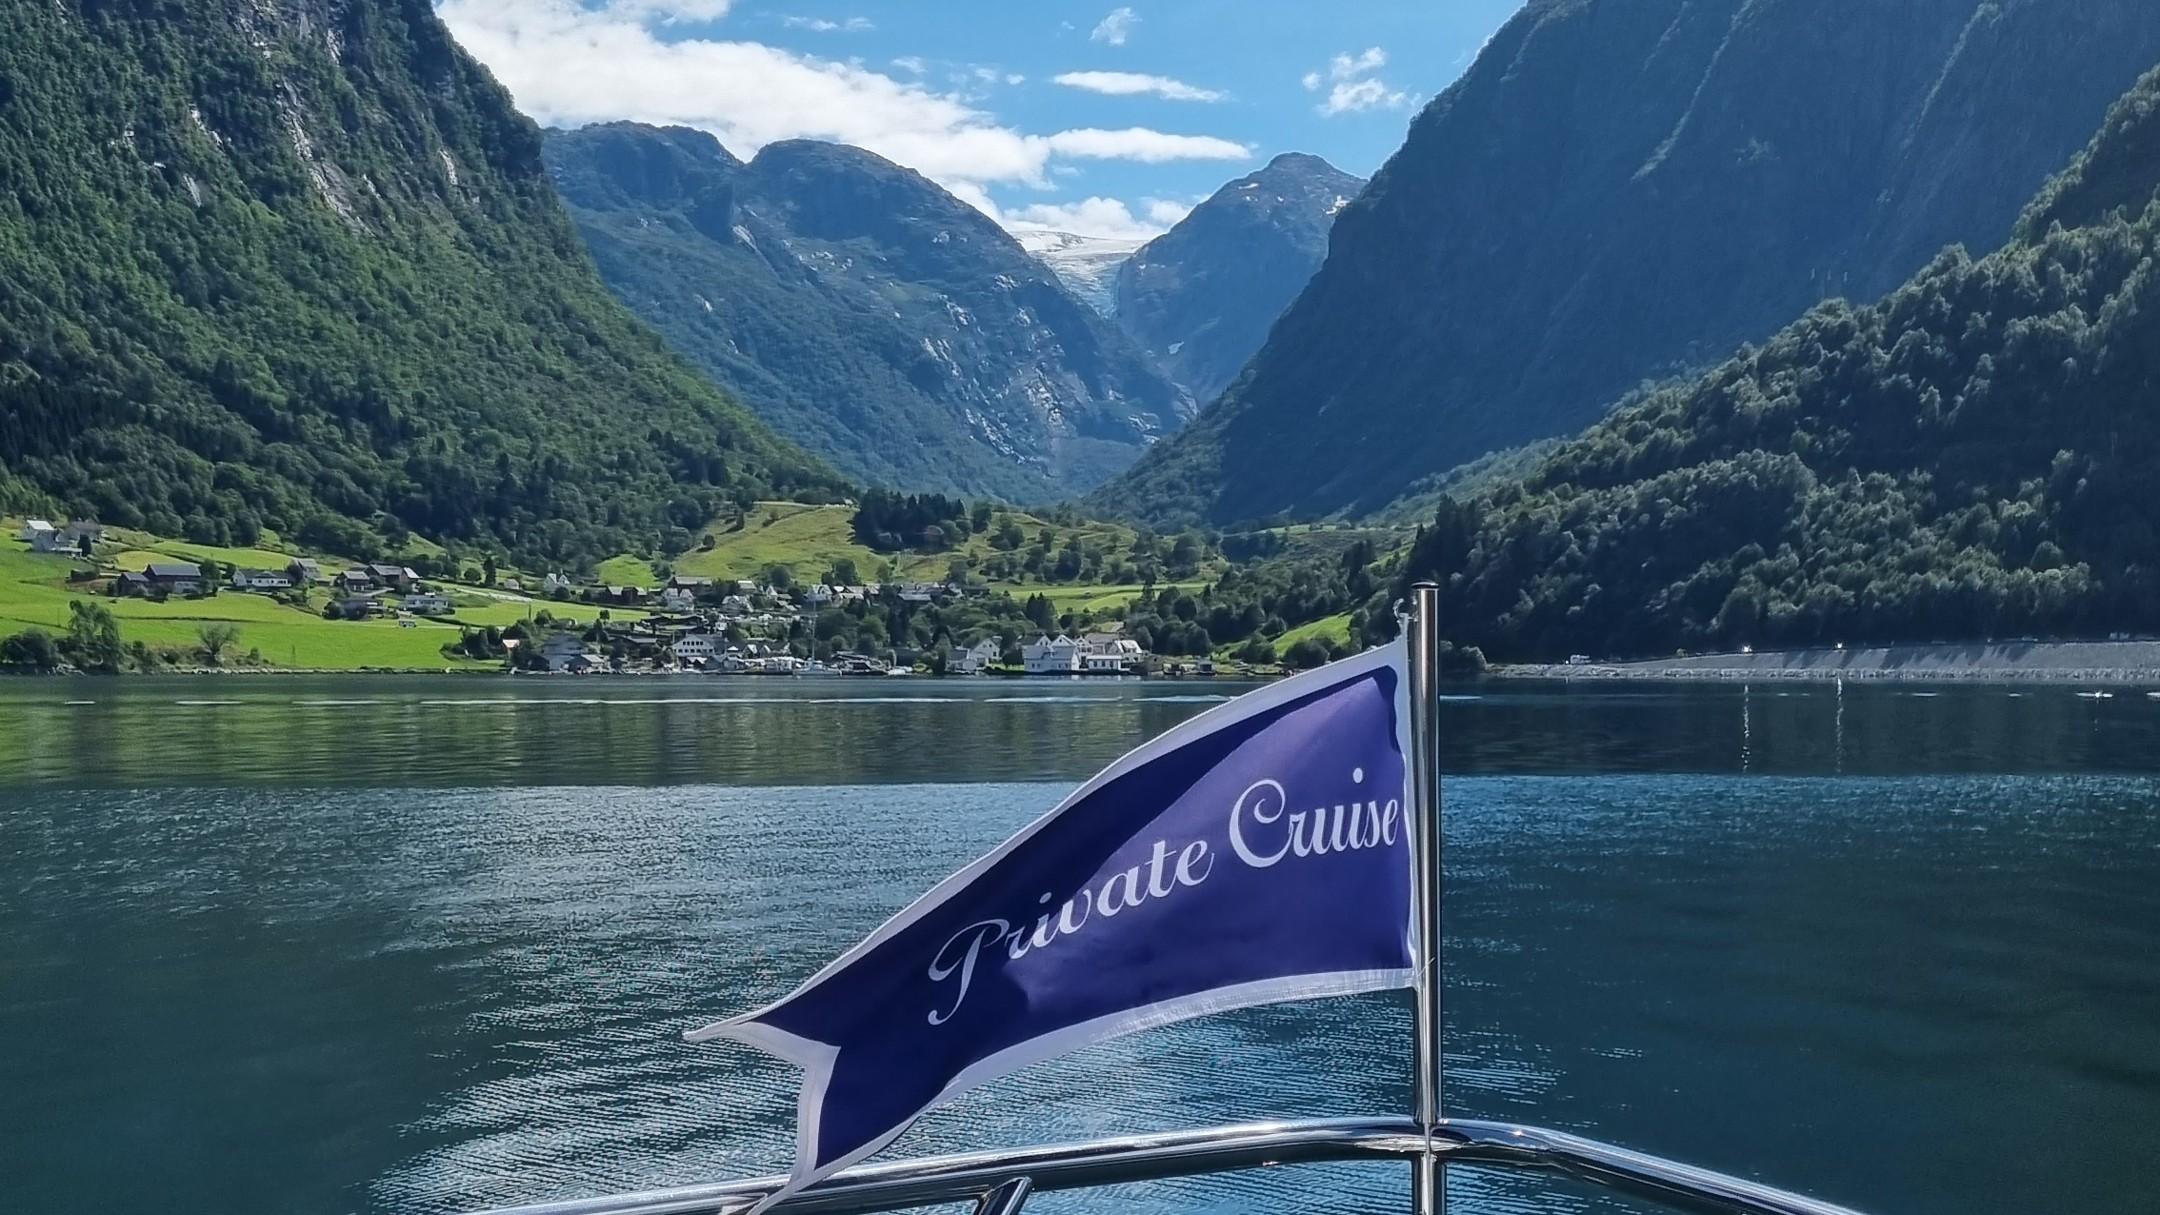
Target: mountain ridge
863 311
1201 298
299 269
1969 458
1648 184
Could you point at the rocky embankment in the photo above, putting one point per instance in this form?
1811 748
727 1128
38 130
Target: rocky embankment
2058 661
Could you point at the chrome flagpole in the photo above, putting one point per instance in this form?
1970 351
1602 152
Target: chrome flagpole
1428 1193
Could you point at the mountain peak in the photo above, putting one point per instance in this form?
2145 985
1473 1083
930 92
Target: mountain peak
1201 296
1620 192
874 317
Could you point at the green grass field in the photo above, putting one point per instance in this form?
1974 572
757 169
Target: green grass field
1328 628
34 591
628 571
1097 599
809 539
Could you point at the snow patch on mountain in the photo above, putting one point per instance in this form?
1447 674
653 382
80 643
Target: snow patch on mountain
1088 265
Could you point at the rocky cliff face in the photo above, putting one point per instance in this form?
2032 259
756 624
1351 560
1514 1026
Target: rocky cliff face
1621 190
865 312
1201 297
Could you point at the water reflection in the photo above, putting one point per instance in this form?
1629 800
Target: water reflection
421 945
466 731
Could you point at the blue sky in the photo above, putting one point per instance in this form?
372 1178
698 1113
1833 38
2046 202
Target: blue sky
1099 117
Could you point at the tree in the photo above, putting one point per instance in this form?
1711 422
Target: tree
31 649
215 638
93 640
843 573
487 569
779 577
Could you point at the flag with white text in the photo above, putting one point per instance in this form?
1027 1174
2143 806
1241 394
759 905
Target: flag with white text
1257 853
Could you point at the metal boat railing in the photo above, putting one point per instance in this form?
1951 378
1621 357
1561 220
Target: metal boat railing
1000 1182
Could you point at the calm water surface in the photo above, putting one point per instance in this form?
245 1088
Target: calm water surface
426 944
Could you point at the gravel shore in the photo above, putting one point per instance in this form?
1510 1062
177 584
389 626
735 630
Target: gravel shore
2115 662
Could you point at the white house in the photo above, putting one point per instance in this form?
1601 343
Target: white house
1109 654
46 538
261 580
428 603
678 599
553 583
1058 655
735 605
697 647
975 659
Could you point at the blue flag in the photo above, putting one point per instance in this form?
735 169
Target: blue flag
1259 852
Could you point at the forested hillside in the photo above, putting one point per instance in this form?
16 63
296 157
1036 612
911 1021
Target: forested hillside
299 267
865 312
1972 457
1621 190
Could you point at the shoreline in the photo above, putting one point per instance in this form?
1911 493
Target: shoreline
2066 662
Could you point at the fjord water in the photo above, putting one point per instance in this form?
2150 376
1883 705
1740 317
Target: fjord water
416 944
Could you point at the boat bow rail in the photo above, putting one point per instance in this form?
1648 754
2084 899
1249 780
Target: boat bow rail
1000 1182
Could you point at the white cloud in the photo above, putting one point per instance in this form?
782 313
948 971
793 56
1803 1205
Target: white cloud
1141 144
1129 84
1109 218
1354 84
669 12
1344 67
568 64
1115 28
912 64
822 25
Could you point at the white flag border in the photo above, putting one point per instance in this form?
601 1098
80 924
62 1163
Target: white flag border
817 1058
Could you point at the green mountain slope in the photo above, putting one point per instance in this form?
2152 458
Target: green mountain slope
1621 190
865 312
1201 297
1971 457
299 266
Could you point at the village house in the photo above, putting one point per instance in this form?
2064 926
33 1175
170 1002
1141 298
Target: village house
553 583
396 577
305 571
361 606
427 603
689 582
132 584
354 581
975 659
261 580
1109 654
735 605
1058 655
697 647
564 651
46 538
677 599
175 577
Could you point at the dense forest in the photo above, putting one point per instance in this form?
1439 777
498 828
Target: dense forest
1626 190
1970 458
298 267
